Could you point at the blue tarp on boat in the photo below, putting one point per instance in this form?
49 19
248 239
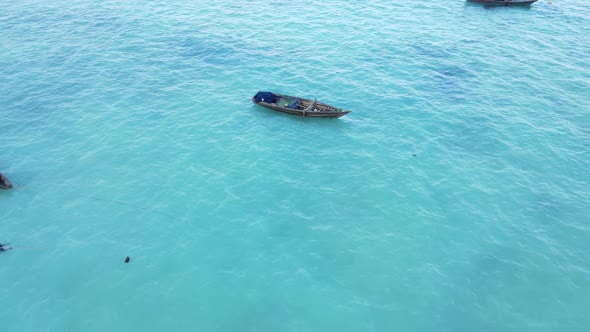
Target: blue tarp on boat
267 97
293 104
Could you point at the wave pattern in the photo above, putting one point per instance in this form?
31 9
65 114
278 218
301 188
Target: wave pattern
453 198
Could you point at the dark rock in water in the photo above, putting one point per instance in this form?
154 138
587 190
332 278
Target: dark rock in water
127 259
413 154
5 183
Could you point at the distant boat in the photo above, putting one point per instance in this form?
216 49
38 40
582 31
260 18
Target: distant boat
297 105
505 2
5 183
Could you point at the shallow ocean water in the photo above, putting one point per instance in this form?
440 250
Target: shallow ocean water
128 130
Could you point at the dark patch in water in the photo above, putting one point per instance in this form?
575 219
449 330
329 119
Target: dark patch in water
493 276
217 51
446 75
209 51
454 71
432 51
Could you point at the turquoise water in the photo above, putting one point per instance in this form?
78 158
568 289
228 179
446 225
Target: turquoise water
128 130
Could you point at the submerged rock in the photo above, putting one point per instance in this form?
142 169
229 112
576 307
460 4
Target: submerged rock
5 183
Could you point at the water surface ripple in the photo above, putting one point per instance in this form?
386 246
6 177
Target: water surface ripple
453 198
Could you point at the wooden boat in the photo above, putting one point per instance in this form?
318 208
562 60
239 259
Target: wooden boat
5 183
297 105
505 2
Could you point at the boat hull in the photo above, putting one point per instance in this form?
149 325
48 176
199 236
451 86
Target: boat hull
321 110
504 2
